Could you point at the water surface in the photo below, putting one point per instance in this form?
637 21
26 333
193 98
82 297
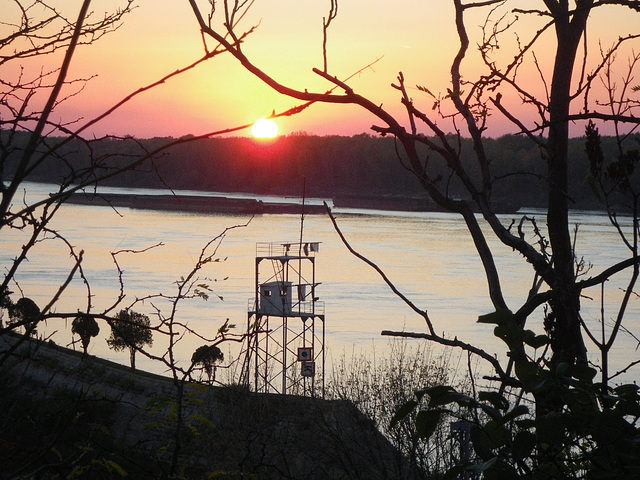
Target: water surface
429 256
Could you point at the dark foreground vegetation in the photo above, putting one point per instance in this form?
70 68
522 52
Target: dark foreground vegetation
354 171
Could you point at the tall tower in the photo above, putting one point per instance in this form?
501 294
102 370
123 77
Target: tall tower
285 326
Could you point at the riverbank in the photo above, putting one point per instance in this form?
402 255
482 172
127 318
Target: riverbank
252 206
194 203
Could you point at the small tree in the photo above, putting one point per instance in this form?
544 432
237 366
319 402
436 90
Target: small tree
85 326
206 357
25 313
130 330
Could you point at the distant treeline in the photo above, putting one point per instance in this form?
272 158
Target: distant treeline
328 166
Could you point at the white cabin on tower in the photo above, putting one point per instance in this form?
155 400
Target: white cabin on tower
275 298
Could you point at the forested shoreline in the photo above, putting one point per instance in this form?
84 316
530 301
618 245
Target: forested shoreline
361 166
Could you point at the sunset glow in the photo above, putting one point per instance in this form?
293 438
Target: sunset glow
160 37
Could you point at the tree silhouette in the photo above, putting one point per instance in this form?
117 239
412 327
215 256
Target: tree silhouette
25 313
130 330
206 356
36 135
547 417
85 326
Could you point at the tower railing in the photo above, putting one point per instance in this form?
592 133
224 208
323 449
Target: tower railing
287 249
297 309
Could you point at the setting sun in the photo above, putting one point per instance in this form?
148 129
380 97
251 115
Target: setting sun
265 128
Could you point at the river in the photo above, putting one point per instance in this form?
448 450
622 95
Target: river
428 256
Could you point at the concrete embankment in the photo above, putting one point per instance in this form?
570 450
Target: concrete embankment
62 412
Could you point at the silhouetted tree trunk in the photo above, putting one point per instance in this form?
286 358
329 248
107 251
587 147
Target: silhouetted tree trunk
132 357
563 323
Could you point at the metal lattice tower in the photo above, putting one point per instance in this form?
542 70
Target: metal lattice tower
285 324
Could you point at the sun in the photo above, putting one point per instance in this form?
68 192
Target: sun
265 128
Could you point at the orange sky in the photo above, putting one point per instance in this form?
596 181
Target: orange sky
415 36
